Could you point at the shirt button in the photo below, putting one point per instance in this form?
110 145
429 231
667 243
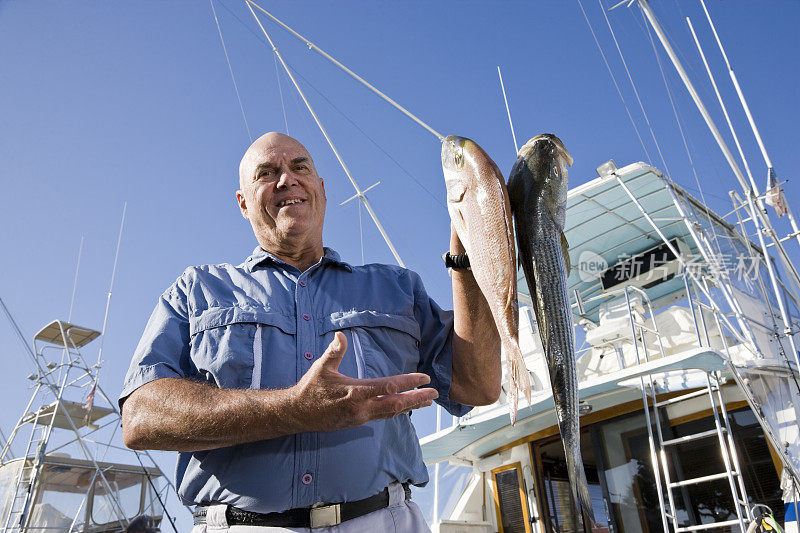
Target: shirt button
302 282
308 355
306 317
306 479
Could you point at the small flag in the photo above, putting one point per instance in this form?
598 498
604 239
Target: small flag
774 196
89 402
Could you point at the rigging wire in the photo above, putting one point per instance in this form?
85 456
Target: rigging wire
616 85
635 91
280 91
230 69
370 139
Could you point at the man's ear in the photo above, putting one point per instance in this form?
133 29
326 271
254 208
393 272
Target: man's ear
240 199
323 188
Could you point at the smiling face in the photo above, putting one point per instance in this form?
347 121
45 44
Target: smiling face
281 194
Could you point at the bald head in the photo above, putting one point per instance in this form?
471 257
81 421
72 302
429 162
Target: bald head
283 197
263 147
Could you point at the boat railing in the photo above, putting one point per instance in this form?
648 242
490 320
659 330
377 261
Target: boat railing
630 332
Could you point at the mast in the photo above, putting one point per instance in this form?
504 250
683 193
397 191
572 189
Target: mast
760 218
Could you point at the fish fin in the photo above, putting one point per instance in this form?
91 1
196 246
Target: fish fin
565 251
518 376
455 190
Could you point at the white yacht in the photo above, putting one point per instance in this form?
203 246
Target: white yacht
688 379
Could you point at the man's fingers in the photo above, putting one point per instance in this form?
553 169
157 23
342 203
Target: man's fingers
394 384
394 404
335 352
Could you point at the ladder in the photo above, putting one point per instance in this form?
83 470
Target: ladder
660 453
22 490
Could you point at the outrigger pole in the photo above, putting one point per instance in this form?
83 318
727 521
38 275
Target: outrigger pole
758 216
771 180
359 192
312 46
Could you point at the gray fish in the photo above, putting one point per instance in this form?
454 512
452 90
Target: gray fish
537 190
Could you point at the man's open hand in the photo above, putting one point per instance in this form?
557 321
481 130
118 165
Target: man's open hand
328 400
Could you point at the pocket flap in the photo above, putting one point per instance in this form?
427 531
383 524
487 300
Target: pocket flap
370 319
216 317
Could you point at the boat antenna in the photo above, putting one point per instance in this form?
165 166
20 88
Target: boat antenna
312 46
508 111
110 288
75 282
359 192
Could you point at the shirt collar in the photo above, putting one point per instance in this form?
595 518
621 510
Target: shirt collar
260 256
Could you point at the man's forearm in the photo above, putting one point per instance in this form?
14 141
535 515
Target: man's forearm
476 343
186 416
182 415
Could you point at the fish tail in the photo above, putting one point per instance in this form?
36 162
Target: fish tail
580 487
519 379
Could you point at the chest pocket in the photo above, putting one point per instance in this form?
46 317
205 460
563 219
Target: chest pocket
233 346
382 344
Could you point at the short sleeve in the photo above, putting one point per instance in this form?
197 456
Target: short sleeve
436 346
163 350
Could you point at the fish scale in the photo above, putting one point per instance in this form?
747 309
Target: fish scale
537 191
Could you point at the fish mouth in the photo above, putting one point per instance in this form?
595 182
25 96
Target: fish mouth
453 148
528 148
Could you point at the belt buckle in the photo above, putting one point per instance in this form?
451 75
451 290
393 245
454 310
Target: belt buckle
325 515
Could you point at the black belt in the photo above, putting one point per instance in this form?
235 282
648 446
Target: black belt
317 516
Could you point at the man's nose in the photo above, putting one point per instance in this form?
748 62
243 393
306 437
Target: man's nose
287 179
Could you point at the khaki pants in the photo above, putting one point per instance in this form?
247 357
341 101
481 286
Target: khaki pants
402 516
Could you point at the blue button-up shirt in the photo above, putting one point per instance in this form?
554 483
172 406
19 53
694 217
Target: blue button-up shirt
261 325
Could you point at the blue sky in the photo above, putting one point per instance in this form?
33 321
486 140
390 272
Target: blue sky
103 103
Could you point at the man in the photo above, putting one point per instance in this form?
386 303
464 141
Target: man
286 383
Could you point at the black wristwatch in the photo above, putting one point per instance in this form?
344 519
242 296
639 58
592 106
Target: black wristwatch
458 261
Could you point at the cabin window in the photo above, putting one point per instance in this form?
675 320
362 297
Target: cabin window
632 495
616 454
510 500
120 493
60 492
